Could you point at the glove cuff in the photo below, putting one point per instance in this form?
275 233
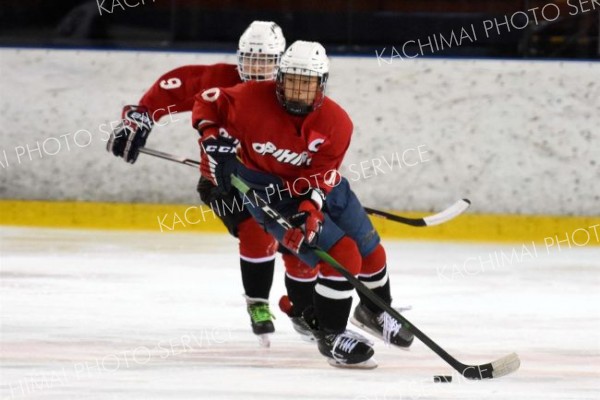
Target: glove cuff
207 129
133 107
139 114
316 197
210 132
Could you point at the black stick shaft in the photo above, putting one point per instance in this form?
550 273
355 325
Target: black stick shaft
397 218
170 157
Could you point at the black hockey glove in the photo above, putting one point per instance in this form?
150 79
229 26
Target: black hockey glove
218 161
131 134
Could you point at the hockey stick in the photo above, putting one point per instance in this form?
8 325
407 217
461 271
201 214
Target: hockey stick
502 366
435 219
170 157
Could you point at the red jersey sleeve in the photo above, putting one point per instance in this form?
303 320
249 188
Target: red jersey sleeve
210 108
174 91
323 170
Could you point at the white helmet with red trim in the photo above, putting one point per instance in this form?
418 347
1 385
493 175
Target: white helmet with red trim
259 51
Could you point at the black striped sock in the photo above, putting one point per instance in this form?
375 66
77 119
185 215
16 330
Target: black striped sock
380 285
300 294
257 278
333 301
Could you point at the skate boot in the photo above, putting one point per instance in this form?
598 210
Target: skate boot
382 325
261 319
298 323
346 349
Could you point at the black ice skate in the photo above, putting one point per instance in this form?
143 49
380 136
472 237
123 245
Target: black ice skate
298 323
347 349
302 328
382 325
261 319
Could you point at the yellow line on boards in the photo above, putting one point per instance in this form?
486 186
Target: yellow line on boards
581 231
127 216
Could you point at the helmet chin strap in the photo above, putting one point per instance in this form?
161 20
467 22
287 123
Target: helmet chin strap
298 108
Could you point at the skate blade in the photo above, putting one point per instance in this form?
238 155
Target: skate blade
306 337
375 333
264 340
369 364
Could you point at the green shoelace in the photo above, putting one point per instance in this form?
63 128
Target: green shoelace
260 312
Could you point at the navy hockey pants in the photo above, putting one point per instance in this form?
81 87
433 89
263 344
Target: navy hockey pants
344 215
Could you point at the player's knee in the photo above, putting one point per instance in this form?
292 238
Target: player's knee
255 243
374 261
345 251
295 268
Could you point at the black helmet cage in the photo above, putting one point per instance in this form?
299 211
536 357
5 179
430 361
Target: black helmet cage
300 107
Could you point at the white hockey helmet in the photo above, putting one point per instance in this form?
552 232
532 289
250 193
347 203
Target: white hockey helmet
302 77
259 51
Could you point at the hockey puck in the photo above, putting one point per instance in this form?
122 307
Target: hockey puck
442 378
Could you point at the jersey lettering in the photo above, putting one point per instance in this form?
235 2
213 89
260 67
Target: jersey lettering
285 156
171 83
314 145
211 94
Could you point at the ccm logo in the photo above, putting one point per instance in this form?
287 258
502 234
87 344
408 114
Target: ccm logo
220 149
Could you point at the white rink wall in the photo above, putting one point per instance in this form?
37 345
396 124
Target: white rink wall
513 136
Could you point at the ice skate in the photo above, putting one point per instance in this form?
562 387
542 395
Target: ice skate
261 320
382 325
298 323
347 349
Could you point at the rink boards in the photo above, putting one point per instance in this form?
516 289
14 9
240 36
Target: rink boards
513 136
551 231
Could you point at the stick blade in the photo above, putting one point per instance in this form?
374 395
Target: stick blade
502 366
451 212
506 365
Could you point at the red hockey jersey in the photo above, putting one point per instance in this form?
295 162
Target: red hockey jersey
175 90
304 151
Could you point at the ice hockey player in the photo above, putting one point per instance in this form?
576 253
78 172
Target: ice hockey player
294 170
259 52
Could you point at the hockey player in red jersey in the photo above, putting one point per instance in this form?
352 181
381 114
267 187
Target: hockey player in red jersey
292 140
259 51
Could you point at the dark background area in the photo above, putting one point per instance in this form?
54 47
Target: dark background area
351 27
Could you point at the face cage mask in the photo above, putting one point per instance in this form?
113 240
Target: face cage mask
306 101
257 66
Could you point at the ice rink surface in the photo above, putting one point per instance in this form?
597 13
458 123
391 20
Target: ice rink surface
131 315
